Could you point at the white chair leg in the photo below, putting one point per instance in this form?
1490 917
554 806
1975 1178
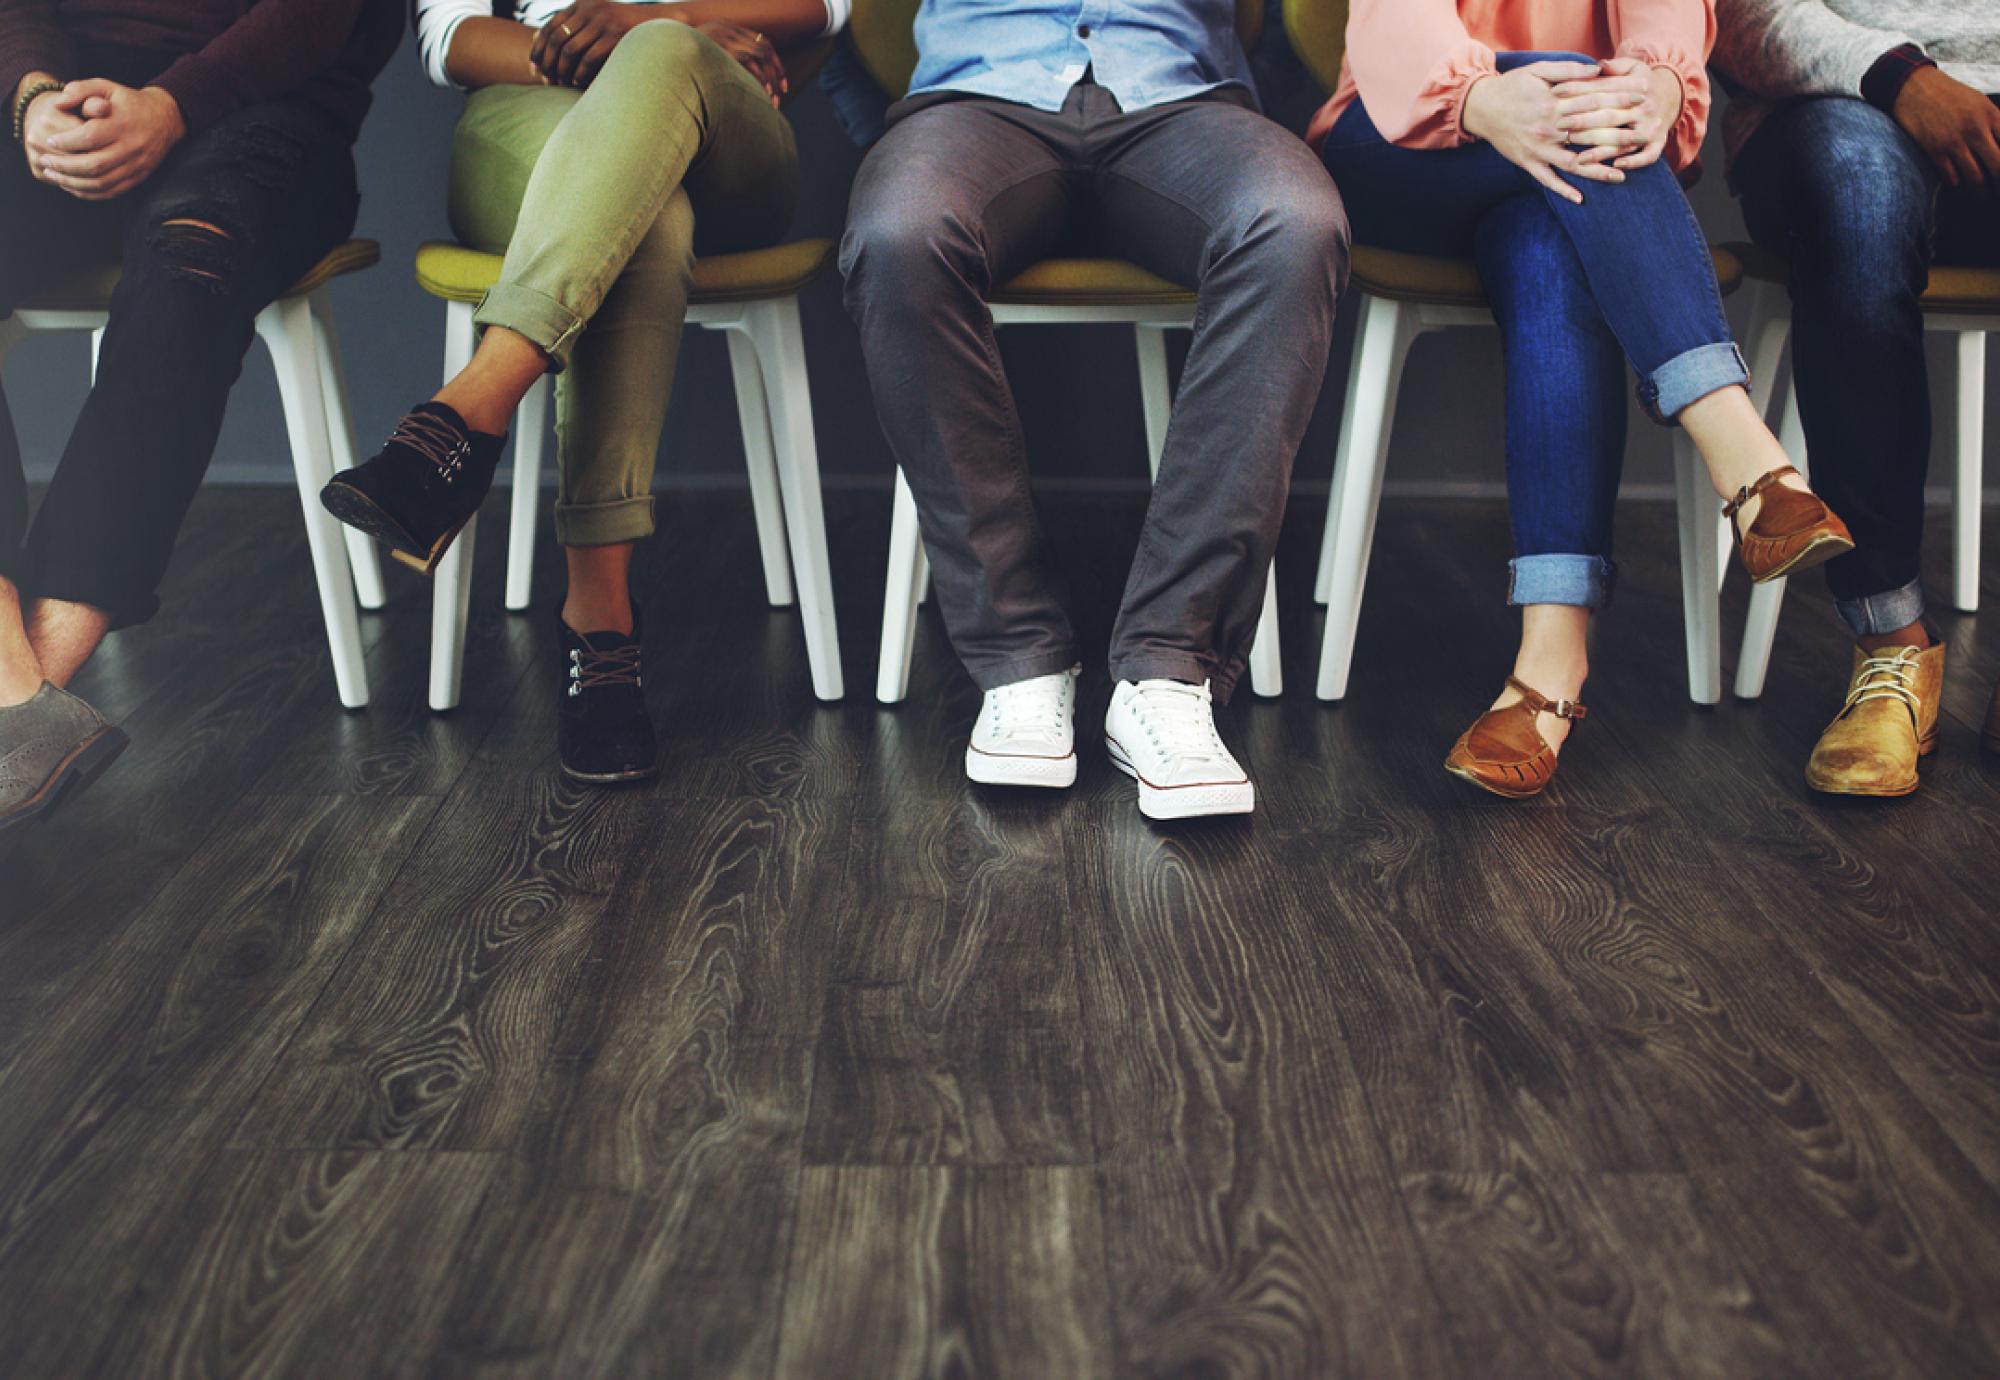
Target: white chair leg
451 584
1701 606
1155 390
1380 347
781 354
287 331
1968 470
531 430
363 557
1760 627
753 416
907 571
1267 675
96 348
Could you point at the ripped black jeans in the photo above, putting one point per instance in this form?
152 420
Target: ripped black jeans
277 185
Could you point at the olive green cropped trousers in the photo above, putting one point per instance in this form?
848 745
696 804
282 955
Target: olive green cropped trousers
600 200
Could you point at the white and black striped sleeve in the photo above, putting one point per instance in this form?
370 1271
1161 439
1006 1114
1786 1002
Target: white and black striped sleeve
436 22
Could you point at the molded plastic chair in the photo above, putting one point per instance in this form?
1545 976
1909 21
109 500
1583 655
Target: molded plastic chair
1054 292
305 353
1403 296
753 297
1960 302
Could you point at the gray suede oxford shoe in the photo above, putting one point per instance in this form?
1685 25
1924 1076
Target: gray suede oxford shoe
51 747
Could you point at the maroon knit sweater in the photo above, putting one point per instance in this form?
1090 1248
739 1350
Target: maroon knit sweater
217 56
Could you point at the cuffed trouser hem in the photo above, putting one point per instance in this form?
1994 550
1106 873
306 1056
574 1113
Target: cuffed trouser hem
604 524
1876 614
534 315
122 608
1185 666
1021 668
1580 581
1691 376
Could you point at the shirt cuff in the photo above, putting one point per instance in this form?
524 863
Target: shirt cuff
1883 82
201 91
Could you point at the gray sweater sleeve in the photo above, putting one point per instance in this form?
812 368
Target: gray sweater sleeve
1779 48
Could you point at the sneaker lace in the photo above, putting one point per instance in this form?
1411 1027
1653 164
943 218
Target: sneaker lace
1180 719
1031 708
590 670
436 439
1891 677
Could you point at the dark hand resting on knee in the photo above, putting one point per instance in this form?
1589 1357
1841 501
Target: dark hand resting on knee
98 140
1957 126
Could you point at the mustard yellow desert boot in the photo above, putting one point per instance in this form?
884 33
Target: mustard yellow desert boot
1888 722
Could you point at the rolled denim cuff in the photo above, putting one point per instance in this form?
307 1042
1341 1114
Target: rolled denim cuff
533 315
1875 614
1691 376
1583 582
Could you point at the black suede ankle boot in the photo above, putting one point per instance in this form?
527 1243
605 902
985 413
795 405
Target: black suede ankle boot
603 733
420 490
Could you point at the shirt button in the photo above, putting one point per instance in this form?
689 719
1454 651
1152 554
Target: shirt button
1083 31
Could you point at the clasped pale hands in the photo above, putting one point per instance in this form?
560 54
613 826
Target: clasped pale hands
98 140
1590 120
1624 116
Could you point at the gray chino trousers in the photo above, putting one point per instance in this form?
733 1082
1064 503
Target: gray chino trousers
965 192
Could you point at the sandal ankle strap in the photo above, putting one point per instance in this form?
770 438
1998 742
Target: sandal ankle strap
1750 491
1537 702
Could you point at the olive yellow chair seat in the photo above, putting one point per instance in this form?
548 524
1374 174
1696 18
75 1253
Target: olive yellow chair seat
1953 290
1092 283
457 274
298 331
751 297
1959 302
91 291
1426 281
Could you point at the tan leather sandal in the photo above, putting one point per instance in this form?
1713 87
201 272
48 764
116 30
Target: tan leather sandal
1504 751
1793 529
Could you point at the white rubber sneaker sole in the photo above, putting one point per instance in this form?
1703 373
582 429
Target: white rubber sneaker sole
999 769
1185 802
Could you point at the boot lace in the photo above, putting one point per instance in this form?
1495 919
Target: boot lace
1180 720
1891 677
1037 708
591 670
437 440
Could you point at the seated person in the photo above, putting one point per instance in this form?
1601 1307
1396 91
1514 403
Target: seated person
604 144
1543 141
1030 128
1866 143
209 150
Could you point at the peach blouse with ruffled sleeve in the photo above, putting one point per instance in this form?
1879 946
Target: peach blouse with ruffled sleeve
1412 61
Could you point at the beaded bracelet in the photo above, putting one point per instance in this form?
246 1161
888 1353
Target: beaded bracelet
26 99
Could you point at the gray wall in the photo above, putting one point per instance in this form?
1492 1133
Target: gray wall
1077 385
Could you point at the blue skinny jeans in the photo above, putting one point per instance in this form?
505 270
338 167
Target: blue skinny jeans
1578 290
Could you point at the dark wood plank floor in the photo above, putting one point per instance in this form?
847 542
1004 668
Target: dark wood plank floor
362 1045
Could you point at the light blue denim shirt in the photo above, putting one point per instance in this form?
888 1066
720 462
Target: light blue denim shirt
1144 52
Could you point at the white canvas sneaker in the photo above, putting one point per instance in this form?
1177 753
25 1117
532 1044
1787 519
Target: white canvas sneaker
1026 734
1162 734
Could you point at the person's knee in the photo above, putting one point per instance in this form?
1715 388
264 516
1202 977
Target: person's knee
1299 237
906 242
194 250
666 50
1860 196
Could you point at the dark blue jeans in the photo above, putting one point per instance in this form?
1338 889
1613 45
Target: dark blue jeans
1839 188
1578 291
